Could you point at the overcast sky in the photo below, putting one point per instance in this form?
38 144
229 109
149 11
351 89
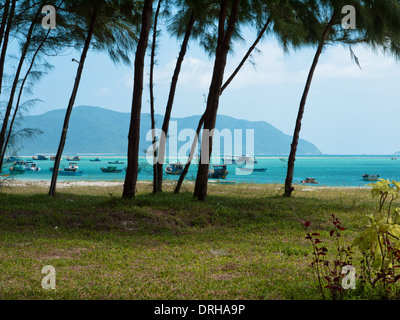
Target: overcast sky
349 111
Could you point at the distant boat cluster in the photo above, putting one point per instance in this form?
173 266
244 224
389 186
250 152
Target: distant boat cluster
218 173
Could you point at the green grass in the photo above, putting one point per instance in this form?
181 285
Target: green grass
244 242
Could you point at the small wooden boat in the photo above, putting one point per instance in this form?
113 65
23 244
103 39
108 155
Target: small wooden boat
111 169
40 158
17 169
32 167
174 169
71 170
242 160
76 158
367 177
218 172
97 159
115 162
310 181
53 158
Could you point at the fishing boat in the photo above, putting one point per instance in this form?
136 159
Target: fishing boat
367 177
12 159
218 172
32 167
111 169
71 170
244 169
115 162
75 158
240 160
97 159
53 158
174 169
72 167
40 157
310 181
17 168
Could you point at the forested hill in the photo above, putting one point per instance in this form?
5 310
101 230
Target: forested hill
95 130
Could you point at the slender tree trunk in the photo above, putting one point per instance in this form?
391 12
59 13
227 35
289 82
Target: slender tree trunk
248 53
4 20
71 103
191 155
292 157
171 97
134 130
153 121
5 41
19 97
224 40
226 84
14 86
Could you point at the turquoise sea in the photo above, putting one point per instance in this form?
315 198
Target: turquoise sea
342 171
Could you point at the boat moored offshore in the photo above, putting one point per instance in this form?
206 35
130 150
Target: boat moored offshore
174 169
218 172
111 169
40 157
367 177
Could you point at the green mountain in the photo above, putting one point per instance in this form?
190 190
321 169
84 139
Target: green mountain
95 130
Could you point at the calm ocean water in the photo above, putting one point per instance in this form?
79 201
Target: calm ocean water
327 170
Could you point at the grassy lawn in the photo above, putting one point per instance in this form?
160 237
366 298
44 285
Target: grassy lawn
244 242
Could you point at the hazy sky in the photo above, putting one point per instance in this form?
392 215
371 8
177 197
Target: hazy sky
349 111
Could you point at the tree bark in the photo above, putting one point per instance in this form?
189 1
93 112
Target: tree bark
292 156
4 20
224 40
15 85
5 41
71 102
171 97
134 130
151 85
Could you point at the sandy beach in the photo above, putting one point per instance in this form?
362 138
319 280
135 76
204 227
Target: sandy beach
69 184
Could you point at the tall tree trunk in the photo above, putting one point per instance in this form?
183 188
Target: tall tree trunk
134 129
224 40
5 41
19 97
226 84
15 85
292 157
151 85
71 103
4 20
171 97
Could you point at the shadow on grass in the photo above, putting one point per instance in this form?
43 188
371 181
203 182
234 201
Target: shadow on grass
167 212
